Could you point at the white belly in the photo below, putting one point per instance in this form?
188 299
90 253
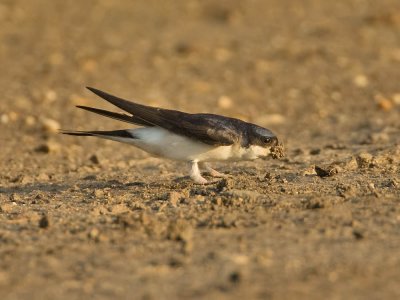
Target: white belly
162 143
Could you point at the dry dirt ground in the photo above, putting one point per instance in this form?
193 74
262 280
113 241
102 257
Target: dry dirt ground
82 218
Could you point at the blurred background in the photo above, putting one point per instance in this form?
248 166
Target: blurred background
321 74
304 68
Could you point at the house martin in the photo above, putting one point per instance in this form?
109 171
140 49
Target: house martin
194 138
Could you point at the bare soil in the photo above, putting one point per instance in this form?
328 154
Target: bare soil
83 218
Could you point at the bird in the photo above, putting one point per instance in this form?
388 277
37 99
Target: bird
197 138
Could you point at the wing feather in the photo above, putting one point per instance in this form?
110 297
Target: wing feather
116 116
208 128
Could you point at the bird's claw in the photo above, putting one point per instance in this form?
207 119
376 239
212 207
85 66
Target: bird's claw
215 173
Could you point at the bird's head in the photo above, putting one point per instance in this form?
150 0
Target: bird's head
262 141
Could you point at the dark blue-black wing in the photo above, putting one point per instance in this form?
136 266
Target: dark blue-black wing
210 129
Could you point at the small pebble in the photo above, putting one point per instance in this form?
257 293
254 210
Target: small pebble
94 159
396 98
49 147
51 96
50 125
94 234
30 120
315 151
383 103
361 81
184 48
44 222
225 102
235 277
13 116
4 119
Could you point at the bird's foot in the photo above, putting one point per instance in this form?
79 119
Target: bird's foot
202 181
199 180
195 174
215 173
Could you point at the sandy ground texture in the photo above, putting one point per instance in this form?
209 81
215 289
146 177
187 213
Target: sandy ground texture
84 218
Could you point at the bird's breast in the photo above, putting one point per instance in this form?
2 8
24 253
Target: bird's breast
233 153
163 143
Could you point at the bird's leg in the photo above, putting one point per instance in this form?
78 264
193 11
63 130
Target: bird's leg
213 173
196 175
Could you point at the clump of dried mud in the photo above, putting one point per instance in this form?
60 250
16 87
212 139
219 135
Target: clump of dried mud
277 151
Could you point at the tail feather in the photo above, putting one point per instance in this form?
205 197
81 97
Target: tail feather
151 115
128 106
105 134
116 116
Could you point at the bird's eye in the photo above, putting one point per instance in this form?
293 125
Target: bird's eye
267 140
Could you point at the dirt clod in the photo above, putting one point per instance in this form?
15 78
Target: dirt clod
95 159
277 151
48 147
327 171
364 160
44 222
